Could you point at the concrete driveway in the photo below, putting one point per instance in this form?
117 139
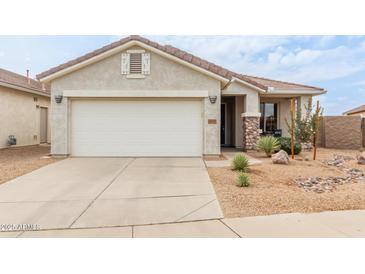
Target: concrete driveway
108 192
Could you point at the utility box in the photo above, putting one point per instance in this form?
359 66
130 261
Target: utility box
11 140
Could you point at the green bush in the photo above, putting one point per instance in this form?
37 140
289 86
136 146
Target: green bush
240 162
268 144
285 144
243 180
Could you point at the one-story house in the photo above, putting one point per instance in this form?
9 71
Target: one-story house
24 105
136 97
358 111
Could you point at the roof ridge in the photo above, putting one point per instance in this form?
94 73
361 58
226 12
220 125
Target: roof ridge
19 75
21 81
356 109
176 52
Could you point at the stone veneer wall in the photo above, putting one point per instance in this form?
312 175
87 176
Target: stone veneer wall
251 133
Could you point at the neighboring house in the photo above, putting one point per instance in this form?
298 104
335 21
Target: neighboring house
359 111
135 97
24 107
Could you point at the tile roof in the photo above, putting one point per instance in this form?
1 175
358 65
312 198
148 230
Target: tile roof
261 83
356 110
9 77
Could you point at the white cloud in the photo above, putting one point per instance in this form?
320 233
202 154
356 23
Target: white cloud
326 40
224 50
276 56
358 83
307 65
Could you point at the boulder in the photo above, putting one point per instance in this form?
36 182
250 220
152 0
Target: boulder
361 159
280 158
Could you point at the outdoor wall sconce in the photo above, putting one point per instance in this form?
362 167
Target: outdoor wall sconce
212 99
58 98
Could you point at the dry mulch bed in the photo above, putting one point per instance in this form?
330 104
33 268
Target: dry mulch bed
273 189
17 161
221 157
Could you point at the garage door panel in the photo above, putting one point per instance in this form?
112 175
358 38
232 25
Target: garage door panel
136 128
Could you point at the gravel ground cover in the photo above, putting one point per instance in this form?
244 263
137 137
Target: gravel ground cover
17 161
274 189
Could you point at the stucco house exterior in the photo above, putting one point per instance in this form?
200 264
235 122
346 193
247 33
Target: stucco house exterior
358 111
136 97
24 104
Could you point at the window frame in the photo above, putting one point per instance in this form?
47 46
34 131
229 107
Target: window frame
263 122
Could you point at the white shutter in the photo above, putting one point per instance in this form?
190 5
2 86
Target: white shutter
125 63
145 63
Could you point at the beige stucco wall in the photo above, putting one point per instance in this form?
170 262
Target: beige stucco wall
106 75
239 109
252 99
20 116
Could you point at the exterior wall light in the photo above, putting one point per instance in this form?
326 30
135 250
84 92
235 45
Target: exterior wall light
58 98
212 99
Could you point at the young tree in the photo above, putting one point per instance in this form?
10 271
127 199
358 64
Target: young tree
306 125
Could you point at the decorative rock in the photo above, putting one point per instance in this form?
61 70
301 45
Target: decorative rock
322 184
361 159
280 158
338 160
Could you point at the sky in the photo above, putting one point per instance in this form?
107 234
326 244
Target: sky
336 63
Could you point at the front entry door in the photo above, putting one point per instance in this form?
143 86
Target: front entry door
223 124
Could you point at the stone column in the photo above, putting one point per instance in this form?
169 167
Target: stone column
251 130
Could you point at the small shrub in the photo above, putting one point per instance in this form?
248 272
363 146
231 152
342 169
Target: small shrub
285 144
268 144
243 180
240 162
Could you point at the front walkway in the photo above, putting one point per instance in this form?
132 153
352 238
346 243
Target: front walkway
337 224
229 154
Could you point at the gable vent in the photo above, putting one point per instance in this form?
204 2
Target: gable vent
135 63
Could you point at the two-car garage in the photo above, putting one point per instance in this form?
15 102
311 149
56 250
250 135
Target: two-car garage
136 127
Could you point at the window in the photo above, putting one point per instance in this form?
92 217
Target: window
135 63
269 117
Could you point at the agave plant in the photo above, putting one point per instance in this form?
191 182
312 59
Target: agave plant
243 180
240 162
268 145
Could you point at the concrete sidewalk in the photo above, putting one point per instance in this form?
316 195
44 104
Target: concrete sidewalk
337 224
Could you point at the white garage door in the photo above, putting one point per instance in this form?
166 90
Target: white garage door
136 128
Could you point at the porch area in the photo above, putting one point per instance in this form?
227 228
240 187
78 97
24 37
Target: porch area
244 118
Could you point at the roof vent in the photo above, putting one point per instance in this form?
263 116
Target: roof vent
28 78
135 63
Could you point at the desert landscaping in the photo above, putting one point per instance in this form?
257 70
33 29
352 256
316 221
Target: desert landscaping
17 161
276 188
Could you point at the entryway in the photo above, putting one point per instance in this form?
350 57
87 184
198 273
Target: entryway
231 121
